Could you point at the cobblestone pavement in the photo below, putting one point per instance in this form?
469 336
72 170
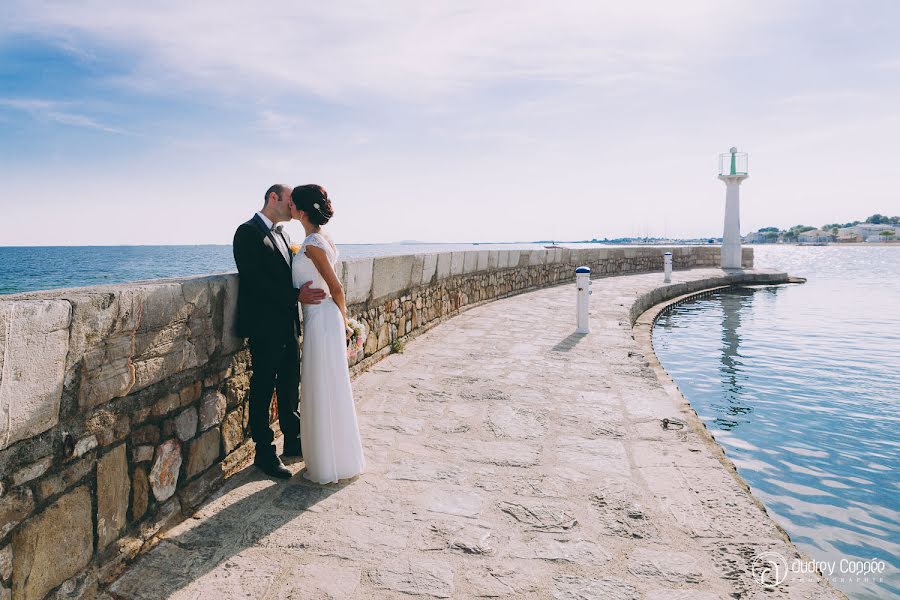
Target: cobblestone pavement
507 457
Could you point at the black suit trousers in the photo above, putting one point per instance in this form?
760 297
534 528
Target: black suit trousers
276 367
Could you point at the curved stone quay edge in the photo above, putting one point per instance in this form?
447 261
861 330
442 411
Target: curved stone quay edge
507 457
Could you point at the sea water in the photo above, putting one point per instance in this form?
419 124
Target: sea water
801 386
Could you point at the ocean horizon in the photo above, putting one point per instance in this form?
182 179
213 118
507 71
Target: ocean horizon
39 268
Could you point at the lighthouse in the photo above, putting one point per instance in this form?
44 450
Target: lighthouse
732 170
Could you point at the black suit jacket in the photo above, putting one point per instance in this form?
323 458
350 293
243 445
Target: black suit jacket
267 300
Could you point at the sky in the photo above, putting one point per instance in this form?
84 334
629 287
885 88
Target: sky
163 122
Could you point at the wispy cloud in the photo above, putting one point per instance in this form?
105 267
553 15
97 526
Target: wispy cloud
57 112
281 125
400 50
76 120
32 105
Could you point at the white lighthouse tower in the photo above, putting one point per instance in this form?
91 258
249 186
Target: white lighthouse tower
732 170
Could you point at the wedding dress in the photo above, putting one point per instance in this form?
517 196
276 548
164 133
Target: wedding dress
329 432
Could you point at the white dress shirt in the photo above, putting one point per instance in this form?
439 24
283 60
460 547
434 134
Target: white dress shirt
279 240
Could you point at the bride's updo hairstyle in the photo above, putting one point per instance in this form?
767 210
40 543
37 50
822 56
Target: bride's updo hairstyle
313 200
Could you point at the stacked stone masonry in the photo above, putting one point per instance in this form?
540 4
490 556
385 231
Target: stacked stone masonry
123 407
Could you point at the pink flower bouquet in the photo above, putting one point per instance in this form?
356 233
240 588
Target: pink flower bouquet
356 337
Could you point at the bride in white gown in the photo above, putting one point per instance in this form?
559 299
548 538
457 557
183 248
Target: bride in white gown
329 432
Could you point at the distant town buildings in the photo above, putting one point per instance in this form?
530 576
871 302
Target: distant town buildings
876 228
814 236
755 237
867 232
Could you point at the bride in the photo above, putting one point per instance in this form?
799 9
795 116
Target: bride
329 432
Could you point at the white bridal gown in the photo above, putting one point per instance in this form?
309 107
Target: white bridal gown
329 432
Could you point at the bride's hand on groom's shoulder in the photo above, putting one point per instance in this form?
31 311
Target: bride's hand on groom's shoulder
310 295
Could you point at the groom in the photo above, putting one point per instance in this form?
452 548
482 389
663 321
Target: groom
267 313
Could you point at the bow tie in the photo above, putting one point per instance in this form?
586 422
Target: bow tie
276 228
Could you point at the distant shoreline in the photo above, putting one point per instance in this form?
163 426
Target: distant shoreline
838 244
614 244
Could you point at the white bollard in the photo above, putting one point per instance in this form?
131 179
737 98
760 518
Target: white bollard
667 265
583 284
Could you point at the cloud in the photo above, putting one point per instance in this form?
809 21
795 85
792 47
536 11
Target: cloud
403 50
281 125
76 120
55 111
32 105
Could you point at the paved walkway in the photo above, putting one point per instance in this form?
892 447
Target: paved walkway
508 457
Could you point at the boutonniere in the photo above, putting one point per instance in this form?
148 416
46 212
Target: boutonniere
295 249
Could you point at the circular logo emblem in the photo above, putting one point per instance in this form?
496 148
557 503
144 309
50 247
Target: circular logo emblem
769 568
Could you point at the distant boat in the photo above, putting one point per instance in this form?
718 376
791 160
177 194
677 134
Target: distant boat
553 245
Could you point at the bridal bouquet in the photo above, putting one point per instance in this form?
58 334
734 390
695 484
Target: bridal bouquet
356 337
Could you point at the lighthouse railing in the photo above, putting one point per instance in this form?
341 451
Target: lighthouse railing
733 163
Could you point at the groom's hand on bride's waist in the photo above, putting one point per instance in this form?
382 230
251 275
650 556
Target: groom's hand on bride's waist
310 295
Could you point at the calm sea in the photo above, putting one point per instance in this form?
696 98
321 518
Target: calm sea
44 268
801 385
28 269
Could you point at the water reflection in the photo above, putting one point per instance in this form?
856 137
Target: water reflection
731 305
799 384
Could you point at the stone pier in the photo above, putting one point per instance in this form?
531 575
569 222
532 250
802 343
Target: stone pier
507 457
122 407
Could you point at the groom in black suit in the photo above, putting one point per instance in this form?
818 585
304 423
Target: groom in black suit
267 314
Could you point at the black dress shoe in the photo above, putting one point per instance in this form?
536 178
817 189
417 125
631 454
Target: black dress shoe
273 467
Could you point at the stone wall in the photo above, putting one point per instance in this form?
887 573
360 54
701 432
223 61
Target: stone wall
122 407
